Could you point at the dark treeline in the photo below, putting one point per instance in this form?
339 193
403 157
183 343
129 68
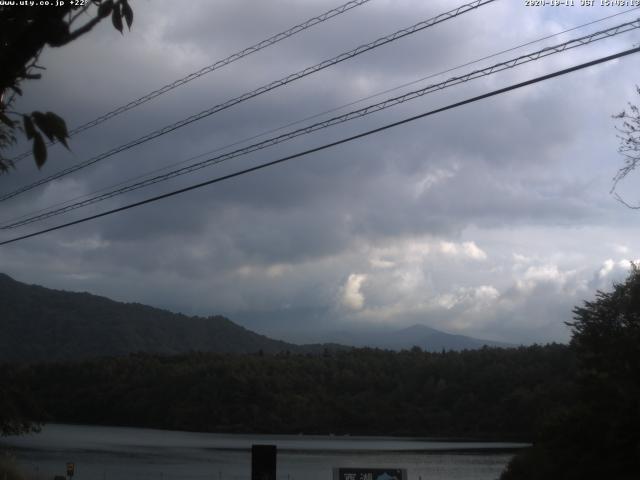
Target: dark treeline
488 393
597 434
580 404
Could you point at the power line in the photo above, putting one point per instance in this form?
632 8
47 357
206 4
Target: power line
343 118
334 109
266 88
210 68
498 67
316 115
332 144
452 69
311 117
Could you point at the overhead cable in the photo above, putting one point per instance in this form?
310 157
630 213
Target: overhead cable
210 68
317 115
391 102
266 88
329 145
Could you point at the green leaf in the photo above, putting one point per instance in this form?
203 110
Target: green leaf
105 8
44 124
116 17
128 13
58 128
39 150
29 129
53 126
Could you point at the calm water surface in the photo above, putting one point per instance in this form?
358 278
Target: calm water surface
118 453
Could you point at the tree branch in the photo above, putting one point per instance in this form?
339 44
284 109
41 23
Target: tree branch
80 12
87 27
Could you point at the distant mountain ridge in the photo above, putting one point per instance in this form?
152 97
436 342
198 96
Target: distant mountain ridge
426 338
41 324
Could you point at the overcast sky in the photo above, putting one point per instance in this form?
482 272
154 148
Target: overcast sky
492 220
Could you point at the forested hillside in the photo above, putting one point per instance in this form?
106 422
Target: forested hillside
41 324
491 393
38 323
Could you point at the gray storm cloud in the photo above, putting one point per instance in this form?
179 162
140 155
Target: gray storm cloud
493 219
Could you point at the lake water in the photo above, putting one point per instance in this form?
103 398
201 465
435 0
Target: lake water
118 453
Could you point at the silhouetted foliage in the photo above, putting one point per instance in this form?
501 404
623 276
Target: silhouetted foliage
597 435
275 387
486 393
629 135
24 32
19 411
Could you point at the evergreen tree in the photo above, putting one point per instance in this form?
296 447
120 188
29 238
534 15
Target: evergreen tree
597 436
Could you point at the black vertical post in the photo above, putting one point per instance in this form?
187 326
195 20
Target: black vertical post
263 462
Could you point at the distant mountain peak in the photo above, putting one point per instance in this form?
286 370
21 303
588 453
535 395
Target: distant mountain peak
420 328
417 335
